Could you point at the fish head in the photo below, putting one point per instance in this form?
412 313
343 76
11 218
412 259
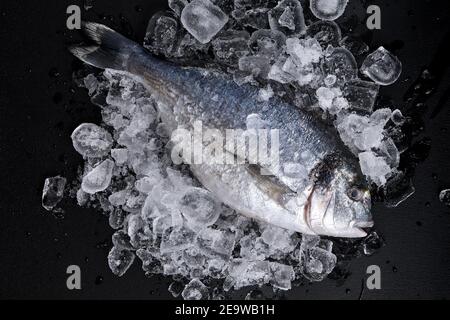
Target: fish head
340 205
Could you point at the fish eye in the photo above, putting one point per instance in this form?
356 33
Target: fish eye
355 194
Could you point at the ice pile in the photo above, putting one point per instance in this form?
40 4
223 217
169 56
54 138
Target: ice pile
53 193
166 219
161 214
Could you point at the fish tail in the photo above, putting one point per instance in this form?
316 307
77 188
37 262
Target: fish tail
109 49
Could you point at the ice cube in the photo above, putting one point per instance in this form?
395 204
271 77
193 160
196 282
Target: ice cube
226 5
244 273
330 80
397 117
199 208
282 276
444 197
120 261
53 192
267 43
361 95
195 290
389 151
215 242
175 288
287 17
327 33
99 178
316 259
342 64
265 94
374 167
328 9
230 46
304 51
257 66
382 67
203 19
121 240
120 156
162 34
91 141
176 239
139 232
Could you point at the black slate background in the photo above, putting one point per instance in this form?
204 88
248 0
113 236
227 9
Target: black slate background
40 107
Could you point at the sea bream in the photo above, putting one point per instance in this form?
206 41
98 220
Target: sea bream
331 198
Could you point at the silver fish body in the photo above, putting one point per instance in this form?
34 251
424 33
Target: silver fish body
332 199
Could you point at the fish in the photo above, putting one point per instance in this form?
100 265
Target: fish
331 198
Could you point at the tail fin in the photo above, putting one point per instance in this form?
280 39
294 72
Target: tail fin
109 49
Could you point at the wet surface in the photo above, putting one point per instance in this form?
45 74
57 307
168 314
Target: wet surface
41 106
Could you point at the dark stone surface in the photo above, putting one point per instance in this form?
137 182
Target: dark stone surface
40 107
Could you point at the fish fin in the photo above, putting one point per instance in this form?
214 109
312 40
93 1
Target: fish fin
109 49
271 185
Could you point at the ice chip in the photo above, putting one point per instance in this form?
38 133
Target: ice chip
288 17
355 46
382 67
282 276
267 43
120 260
162 35
316 259
121 240
99 178
254 121
199 208
195 290
91 141
444 197
177 5
203 19
398 189
372 243
328 9
53 192
327 33
397 117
